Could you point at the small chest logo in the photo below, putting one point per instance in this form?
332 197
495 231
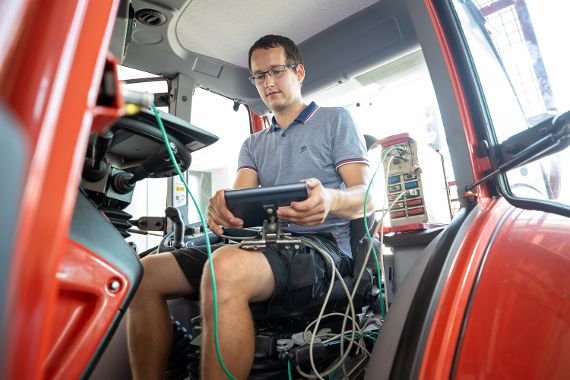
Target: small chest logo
303 148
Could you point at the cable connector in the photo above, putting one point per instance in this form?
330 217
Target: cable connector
400 149
470 195
138 98
403 158
301 355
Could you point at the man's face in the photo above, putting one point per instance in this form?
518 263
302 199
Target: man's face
277 92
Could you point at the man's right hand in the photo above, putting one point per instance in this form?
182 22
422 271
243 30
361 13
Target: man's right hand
219 215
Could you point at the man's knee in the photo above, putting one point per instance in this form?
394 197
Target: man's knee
162 277
147 286
238 275
228 271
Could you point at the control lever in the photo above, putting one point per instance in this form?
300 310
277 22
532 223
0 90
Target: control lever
174 215
94 170
101 146
157 161
149 223
124 182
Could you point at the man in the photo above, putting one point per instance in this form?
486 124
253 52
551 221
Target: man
305 142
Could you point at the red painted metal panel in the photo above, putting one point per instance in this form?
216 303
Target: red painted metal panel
257 122
87 303
448 318
479 164
519 322
51 86
12 15
401 138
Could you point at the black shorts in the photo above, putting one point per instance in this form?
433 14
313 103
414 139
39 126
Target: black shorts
301 275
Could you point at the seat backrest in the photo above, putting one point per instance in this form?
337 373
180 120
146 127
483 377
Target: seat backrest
359 240
359 244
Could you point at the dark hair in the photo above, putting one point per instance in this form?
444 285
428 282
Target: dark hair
292 52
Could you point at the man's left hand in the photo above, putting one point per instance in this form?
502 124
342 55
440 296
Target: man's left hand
311 211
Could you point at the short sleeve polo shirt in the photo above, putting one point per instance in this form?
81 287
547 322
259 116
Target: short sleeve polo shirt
316 144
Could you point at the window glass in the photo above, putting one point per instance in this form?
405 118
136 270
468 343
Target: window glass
212 168
215 167
395 98
514 77
137 80
149 196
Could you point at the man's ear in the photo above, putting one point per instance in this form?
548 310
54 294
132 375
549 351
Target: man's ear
300 72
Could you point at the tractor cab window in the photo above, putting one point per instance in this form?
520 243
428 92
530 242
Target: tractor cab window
522 81
393 99
149 196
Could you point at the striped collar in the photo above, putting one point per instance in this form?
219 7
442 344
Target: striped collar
303 117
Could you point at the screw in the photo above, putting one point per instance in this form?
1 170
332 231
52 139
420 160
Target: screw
184 98
114 285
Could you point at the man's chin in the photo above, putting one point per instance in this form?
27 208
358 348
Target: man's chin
276 105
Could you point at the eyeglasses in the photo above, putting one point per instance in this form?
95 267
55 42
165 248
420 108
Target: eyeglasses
274 72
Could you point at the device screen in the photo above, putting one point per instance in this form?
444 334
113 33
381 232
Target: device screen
247 204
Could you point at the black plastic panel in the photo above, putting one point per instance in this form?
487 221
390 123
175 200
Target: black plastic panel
13 156
90 229
378 34
375 35
412 239
400 341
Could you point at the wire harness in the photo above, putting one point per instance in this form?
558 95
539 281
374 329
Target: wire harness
355 335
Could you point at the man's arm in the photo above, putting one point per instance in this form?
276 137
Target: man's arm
218 213
246 178
347 203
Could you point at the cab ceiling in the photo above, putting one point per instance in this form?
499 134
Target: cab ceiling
207 41
240 23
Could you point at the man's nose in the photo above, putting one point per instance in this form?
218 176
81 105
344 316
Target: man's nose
269 81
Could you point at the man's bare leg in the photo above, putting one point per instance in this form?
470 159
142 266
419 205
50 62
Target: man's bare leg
149 328
241 277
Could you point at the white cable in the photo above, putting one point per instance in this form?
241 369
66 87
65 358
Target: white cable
371 321
327 257
324 316
361 344
381 258
237 238
381 253
350 306
362 269
385 210
321 316
327 296
338 336
323 308
355 288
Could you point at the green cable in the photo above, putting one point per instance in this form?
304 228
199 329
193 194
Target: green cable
368 335
208 247
378 271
